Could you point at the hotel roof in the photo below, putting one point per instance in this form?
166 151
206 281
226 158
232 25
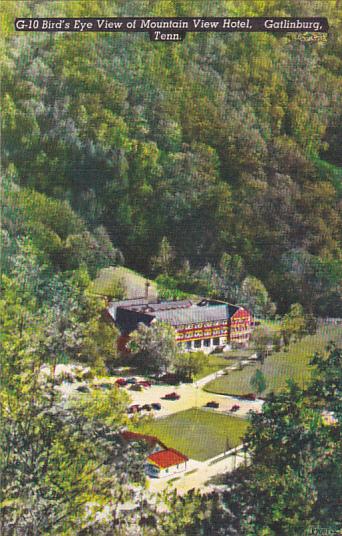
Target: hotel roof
193 315
129 313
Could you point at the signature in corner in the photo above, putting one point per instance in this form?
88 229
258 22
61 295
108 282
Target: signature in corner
310 37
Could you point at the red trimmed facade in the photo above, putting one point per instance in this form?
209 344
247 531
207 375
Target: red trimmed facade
199 326
234 329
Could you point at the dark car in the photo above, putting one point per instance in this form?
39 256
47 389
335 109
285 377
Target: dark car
250 396
147 407
132 380
171 396
83 389
212 404
135 408
156 405
234 408
121 382
145 383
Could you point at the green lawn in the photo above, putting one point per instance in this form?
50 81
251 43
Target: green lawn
199 434
272 325
214 363
132 282
280 366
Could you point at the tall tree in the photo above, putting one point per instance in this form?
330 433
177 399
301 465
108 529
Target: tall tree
155 346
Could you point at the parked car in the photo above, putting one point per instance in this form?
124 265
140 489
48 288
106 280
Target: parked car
136 387
135 408
250 396
212 404
147 407
172 396
132 380
156 405
234 408
121 382
83 389
145 383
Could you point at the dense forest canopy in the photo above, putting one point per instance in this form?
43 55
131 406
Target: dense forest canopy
225 143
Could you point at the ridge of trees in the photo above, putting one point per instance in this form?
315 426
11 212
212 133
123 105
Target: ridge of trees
242 159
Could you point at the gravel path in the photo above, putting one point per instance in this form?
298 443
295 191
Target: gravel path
191 396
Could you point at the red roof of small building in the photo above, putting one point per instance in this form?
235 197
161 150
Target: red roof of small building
149 439
167 458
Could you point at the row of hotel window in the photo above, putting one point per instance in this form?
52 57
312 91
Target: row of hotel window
212 333
202 343
206 343
234 326
191 334
202 325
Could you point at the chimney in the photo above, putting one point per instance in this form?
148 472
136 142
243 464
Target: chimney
147 284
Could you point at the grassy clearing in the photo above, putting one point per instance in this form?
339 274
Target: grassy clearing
280 366
132 283
214 363
272 325
196 433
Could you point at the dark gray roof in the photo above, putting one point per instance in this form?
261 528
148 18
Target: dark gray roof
193 315
128 313
142 305
124 303
167 305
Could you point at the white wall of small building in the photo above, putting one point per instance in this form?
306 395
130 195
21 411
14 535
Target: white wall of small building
157 472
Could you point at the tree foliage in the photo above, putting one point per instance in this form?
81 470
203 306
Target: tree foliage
258 382
60 463
241 160
188 364
155 346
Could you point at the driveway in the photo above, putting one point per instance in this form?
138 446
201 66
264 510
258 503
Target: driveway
199 477
191 396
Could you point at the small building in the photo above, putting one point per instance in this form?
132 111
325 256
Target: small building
205 325
165 463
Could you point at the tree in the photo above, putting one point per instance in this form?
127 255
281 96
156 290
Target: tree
155 347
312 280
231 274
294 324
255 297
258 382
163 261
261 338
277 341
188 364
99 344
326 384
293 481
60 463
311 324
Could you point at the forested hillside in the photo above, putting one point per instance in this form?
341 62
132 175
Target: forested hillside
225 143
